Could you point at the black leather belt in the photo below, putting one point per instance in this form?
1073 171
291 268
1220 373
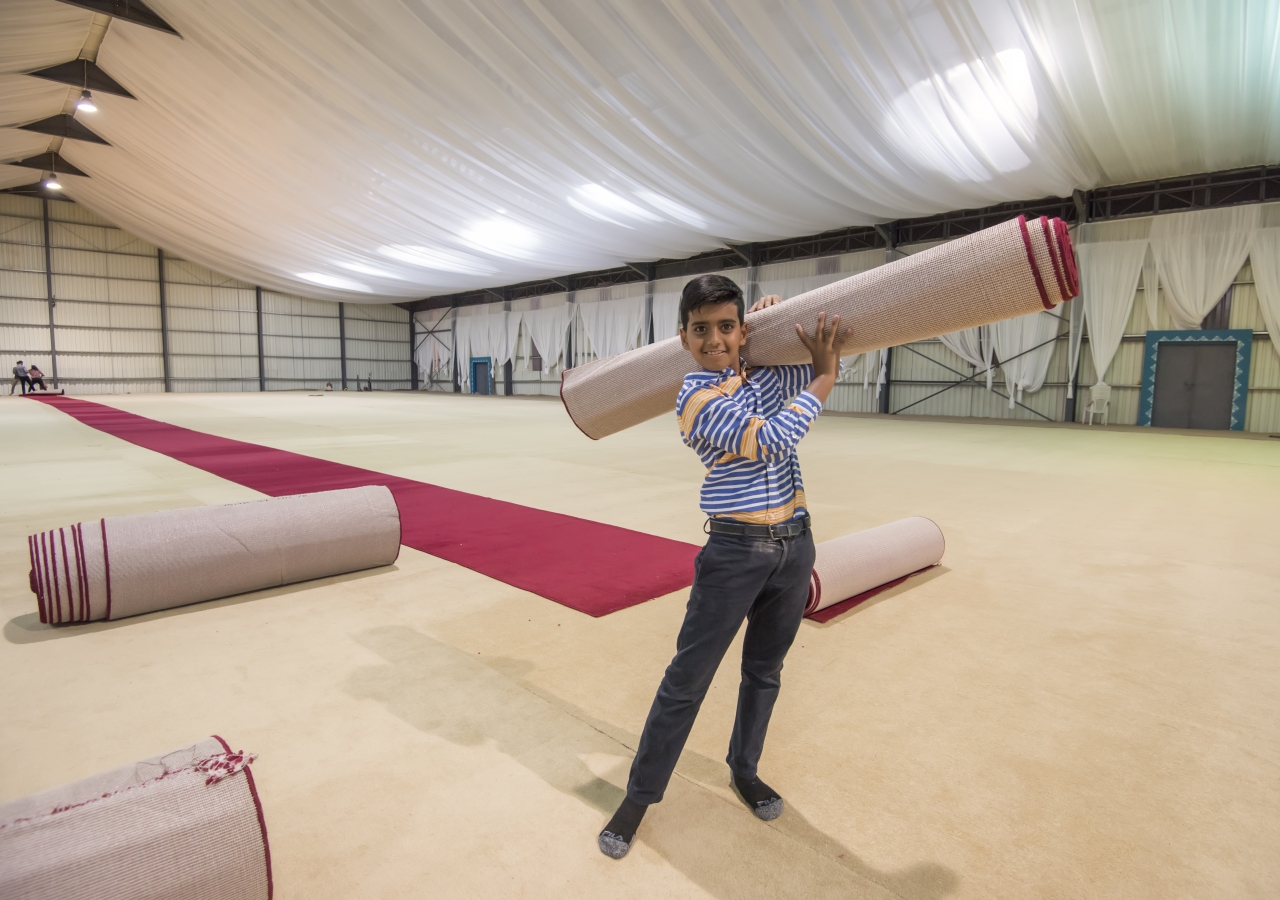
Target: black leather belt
772 532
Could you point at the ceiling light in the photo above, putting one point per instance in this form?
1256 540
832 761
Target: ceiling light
85 103
440 260
502 237
335 281
52 183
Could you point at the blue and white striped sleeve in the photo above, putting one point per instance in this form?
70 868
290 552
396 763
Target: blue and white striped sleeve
709 415
793 379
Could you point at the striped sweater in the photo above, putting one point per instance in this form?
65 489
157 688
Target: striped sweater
746 434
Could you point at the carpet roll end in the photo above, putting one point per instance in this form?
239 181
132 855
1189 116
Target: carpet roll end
98 837
128 565
849 566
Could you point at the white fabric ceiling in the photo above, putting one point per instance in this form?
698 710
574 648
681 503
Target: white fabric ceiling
402 148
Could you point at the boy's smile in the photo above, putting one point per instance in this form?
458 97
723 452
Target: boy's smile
714 336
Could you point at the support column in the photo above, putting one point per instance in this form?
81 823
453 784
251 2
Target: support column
571 298
888 380
342 341
650 275
889 234
507 385
413 346
453 331
262 369
48 281
1069 406
164 321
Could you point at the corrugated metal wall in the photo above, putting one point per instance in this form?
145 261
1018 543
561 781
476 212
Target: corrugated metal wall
107 316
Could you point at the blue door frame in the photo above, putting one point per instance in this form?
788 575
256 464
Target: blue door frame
475 364
1240 394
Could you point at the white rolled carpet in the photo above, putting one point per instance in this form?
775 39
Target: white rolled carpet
858 562
1008 270
128 565
184 825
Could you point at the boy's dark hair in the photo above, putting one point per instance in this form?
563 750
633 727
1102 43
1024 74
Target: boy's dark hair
709 290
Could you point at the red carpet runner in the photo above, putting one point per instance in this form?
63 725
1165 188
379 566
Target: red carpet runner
594 568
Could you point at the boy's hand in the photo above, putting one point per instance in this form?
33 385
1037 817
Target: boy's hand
764 302
825 345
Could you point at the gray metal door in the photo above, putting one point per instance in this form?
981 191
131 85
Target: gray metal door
480 377
1194 383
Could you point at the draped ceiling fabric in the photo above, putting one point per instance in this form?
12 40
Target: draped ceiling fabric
1199 255
1109 275
546 322
485 331
385 151
613 317
1265 259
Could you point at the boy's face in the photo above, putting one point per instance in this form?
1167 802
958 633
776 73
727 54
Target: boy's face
714 335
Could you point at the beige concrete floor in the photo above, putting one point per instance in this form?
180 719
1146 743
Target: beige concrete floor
1080 703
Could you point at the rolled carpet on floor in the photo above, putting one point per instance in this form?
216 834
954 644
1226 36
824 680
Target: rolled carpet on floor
127 565
187 824
1008 270
856 565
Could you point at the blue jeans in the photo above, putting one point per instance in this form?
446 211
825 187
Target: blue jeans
764 581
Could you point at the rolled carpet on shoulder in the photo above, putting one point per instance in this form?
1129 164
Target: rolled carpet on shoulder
127 565
187 824
861 564
1008 270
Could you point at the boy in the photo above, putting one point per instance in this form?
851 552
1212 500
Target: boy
757 563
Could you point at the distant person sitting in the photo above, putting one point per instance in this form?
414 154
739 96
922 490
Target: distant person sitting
328 385
20 377
34 377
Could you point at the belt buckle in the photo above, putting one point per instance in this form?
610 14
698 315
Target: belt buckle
773 532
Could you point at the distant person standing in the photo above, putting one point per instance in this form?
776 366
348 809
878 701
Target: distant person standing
20 377
34 377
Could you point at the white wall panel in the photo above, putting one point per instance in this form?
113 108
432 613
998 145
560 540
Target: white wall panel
16 340
29 285
24 312
21 257
76 367
86 314
105 341
68 212
22 230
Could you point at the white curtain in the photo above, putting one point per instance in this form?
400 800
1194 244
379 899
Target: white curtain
666 308
546 321
485 331
1151 288
1265 257
1199 255
1108 283
974 346
613 323
1075 334
1013 340
434 350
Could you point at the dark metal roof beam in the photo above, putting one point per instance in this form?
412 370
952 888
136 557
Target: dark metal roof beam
64 126
48 162
83 74
128 11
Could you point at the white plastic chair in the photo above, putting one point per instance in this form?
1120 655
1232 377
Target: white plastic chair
1099 400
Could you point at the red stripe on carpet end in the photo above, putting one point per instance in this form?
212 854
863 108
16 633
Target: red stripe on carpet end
836 609
1031 258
